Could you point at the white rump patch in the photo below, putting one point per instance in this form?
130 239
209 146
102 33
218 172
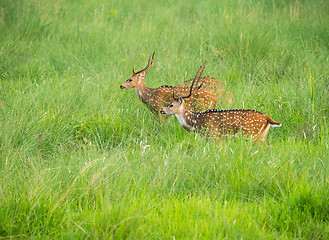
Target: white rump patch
275 125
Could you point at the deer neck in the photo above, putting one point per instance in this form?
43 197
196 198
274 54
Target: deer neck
143 92
187 119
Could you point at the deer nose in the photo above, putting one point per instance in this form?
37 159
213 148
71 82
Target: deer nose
122 87
162 112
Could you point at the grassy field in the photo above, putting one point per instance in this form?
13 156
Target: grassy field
82 159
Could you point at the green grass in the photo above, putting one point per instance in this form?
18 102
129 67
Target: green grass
82 159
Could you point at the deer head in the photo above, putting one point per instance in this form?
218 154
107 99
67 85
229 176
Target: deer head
137 77
178 104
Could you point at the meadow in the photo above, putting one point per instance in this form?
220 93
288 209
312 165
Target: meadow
82 159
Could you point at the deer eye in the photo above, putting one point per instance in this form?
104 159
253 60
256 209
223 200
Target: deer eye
129 80
170 105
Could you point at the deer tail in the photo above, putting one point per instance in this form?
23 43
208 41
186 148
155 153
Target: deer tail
273 123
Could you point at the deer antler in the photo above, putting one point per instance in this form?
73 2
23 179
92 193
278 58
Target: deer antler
198 75
151 58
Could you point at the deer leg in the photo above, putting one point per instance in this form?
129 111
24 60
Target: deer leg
263 133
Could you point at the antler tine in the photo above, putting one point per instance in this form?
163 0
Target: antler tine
198 87
191 88
173 96
149 63
196 76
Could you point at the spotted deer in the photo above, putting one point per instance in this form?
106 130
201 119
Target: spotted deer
218 123
157 98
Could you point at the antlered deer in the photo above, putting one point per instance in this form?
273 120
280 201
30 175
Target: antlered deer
217 123
160 97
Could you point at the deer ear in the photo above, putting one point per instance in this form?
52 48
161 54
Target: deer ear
142 75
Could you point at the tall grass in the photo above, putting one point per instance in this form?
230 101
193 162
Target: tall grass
82 159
